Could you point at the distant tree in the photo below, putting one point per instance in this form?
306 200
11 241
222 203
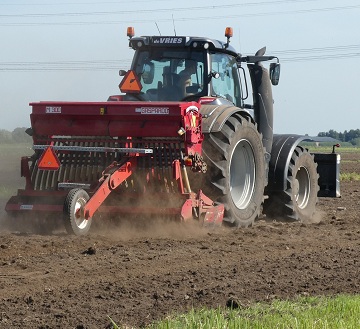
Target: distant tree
341 137
333 133
5 136
352 136
356 141
20 136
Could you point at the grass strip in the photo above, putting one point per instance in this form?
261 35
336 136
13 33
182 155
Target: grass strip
341 312
353 176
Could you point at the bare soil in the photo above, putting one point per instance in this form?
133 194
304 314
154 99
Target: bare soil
138 273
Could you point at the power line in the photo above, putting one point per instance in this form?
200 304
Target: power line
99 65
318 49
300 11
260 3
320 57
329 53
76 3
321 53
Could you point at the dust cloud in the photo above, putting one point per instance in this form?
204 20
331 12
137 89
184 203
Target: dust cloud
126 229
115 229
318 217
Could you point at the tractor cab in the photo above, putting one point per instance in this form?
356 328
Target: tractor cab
184 69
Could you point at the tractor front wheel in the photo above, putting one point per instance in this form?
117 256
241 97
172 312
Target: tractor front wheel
74 220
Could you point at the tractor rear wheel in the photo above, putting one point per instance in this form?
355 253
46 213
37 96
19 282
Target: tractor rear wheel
298 201
74 220
236 173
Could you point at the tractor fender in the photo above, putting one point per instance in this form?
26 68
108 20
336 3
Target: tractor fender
283 147
215 116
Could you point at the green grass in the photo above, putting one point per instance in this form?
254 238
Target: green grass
341 312
352 176
326 149
349 161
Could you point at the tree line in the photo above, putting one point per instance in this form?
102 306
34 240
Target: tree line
18 135
352 136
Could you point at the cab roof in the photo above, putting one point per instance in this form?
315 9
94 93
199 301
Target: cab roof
182 42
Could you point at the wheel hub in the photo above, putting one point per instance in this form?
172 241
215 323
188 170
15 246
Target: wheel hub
80 220
302 187
242 174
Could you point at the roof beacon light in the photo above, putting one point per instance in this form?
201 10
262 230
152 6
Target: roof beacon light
228 34
130 32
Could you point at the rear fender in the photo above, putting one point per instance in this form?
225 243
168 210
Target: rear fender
328 166
215 116
282 149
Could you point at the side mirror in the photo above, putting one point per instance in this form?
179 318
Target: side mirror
122 73
274 73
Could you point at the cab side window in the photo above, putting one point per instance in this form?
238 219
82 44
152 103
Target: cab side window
227 84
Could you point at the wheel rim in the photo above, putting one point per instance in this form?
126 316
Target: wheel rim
80 221
302 187
242 174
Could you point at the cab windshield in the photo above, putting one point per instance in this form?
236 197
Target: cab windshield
170 74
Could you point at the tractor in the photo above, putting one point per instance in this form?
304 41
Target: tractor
188 137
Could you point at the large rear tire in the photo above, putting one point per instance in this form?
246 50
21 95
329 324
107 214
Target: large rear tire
74 221
298 201
236 173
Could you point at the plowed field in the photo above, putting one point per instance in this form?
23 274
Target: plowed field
139 273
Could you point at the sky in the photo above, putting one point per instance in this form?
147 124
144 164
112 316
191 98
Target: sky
72 51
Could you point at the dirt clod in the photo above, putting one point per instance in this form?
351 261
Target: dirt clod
89 251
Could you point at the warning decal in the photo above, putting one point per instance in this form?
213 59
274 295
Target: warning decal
49 160
130 83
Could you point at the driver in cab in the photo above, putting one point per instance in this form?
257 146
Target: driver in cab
185 76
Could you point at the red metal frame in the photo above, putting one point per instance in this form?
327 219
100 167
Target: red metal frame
119 119
109 183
